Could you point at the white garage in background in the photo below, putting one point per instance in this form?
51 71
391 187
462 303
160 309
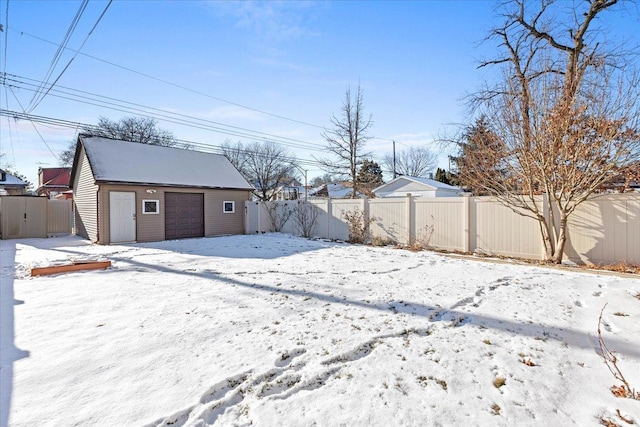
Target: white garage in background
420 187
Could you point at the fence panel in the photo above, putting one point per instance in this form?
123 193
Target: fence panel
605 230
390 219
496 229
321 228
440 222
59 217
338 228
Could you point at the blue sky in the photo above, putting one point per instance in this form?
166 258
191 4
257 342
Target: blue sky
414 60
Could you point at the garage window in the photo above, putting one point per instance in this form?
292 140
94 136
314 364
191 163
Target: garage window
228 207
151 206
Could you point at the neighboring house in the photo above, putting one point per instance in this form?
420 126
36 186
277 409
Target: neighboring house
332 190
420 187
53 181
127 191
11 185
289 189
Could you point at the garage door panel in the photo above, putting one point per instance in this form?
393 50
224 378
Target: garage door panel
184 215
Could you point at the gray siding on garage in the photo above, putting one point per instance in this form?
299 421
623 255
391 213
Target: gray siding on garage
216 222
151 227
85 200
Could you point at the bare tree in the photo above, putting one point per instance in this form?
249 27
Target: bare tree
306 215
144 130
237 155
564 120
264 164
347 139
414 161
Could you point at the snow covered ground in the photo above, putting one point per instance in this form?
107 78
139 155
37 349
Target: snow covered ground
274 330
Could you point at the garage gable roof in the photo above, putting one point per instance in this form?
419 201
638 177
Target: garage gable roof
428 184
118 161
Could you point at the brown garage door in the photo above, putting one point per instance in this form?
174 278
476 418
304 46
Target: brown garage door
183 215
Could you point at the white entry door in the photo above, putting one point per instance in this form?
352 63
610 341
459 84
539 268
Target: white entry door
122 216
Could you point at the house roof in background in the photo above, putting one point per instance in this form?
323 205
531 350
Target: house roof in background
424 181
54 176
134 163
11 180
332 190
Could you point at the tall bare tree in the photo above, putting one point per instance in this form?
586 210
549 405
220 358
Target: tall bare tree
414 161
566 116
264 164
144 130
347 139
237 155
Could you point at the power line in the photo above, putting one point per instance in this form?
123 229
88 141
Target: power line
73 57
35 128
218 149
176 85
172 117
77 52
6 38
59 51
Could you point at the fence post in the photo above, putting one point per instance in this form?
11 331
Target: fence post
410 231
246 217
329 218
365 213
466 229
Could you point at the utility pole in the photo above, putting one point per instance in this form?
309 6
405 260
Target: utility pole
394 159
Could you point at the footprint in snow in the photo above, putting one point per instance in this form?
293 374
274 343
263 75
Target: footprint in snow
287 357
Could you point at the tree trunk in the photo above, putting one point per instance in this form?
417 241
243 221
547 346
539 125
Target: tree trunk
546 238
562 239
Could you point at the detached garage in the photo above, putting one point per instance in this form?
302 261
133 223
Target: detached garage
131 192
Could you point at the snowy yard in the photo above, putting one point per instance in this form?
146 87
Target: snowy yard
275 330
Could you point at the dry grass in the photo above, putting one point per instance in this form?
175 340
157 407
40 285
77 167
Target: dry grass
499 382
611 361
608 423
495 409
527 362
619 267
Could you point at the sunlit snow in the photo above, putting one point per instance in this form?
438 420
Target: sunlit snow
274 330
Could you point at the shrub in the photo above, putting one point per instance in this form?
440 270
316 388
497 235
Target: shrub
306 215
279 214
358 226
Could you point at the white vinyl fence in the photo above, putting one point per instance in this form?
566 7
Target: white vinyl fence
603 230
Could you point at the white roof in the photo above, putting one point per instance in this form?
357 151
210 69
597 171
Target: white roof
130 162
12 180
425 181
335 190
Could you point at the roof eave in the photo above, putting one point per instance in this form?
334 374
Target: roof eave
164 184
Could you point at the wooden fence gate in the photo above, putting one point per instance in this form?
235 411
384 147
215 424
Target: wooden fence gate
24 217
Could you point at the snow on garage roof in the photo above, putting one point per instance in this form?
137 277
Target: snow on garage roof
131 162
